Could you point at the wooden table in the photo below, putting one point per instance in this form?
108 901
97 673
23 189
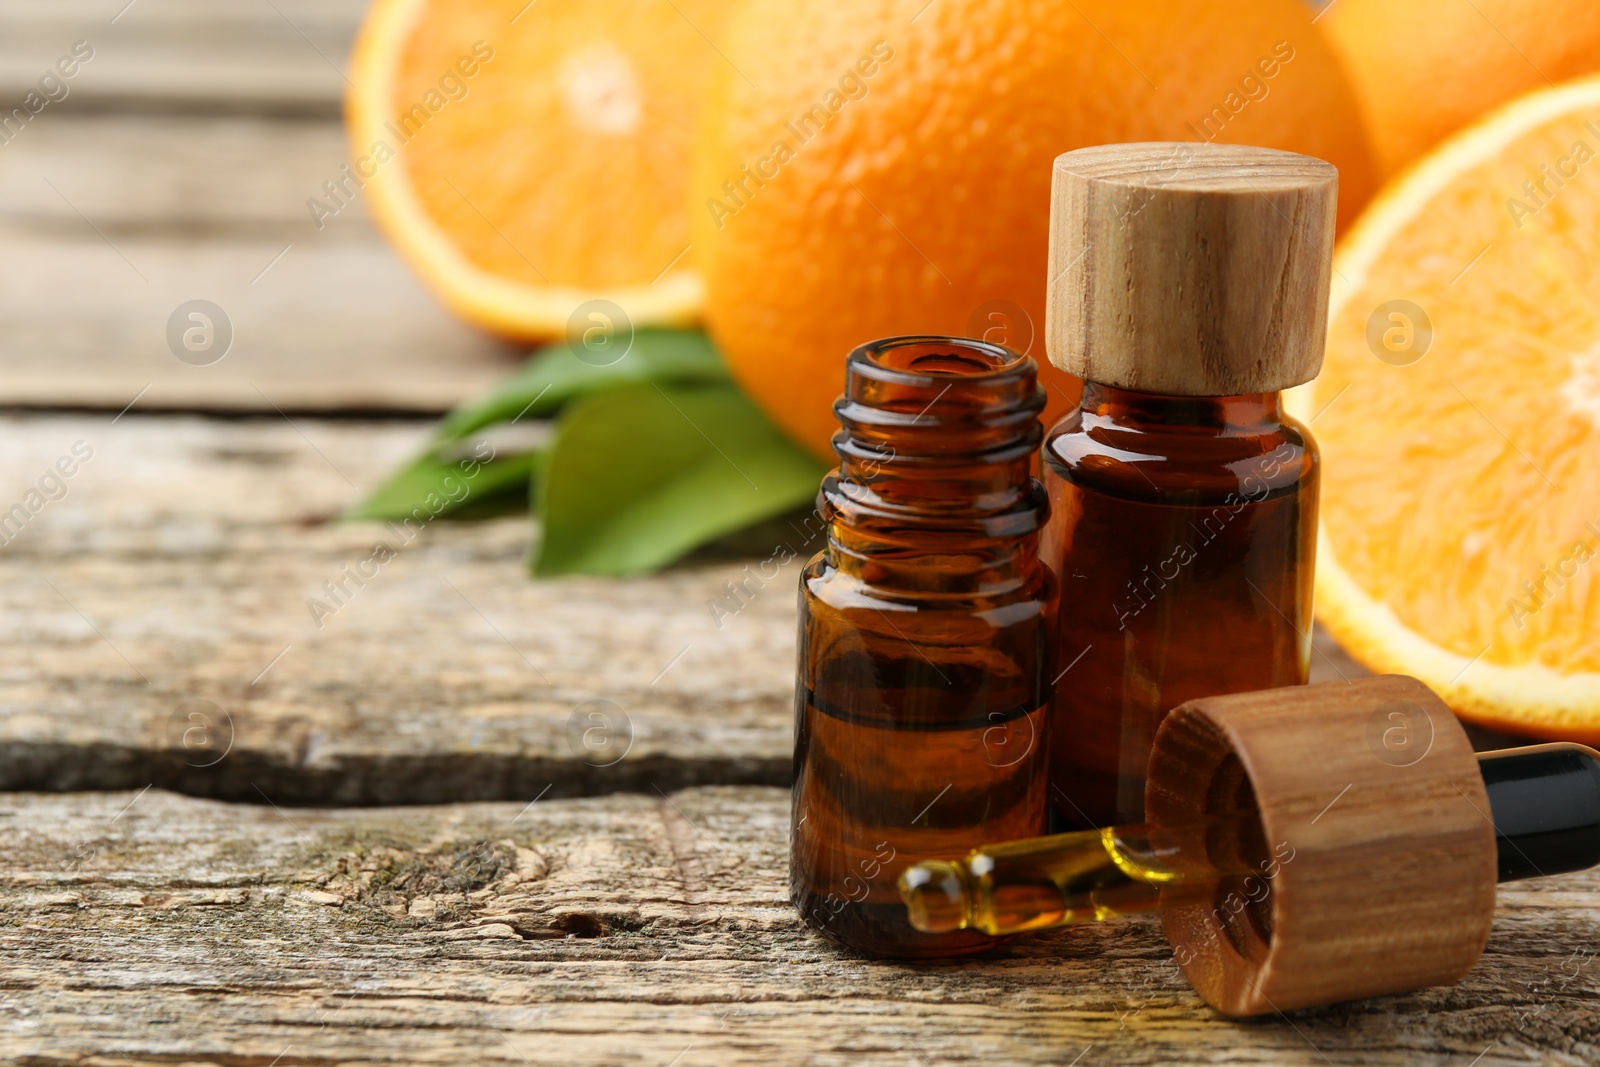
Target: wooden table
397 836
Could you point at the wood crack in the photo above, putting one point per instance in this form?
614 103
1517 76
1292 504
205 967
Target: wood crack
681 836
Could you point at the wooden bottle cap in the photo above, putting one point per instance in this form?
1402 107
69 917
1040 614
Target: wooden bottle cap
1376 818
1190 269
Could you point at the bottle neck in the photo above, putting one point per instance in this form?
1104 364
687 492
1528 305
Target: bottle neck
934 490
1249 414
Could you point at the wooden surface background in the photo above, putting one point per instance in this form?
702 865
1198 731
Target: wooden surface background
235 836
629 929
178 168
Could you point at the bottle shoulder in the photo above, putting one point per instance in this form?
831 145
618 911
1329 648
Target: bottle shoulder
1191 464
826 588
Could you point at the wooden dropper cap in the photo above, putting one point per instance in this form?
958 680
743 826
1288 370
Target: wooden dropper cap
1190 269
1376 815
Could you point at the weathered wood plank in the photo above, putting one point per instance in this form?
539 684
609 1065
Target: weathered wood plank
331 326
111 223
198 177
178 568
283 56
149 928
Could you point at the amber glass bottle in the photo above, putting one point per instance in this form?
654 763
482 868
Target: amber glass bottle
925 623
1189 286
1184 530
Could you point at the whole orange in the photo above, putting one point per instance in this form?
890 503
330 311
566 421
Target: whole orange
1423 69
872 167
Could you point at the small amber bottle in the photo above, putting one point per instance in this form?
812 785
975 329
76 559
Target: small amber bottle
920 708
1189 286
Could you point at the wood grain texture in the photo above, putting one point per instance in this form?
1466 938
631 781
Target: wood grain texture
144 929
110 224
1350 779
285 56
332 327
1190 269
195 177
178 568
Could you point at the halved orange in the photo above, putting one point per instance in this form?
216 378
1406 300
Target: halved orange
1459 417
529 156
1423 69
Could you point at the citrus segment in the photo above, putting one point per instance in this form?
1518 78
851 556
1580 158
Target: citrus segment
1459 417
528 157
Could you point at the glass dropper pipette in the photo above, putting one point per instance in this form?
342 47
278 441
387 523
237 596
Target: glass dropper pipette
1544 799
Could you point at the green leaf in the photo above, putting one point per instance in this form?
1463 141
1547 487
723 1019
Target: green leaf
557 374
467 487
637 477
548 380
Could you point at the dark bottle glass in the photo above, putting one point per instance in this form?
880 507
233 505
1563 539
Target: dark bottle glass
1188 286
921 703
1183 532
